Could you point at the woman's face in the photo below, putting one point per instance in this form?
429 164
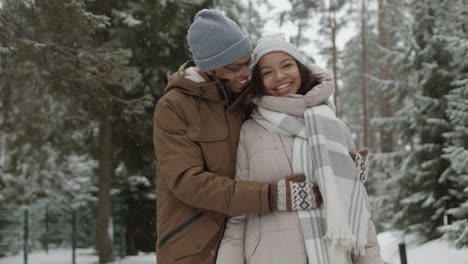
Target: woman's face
280 74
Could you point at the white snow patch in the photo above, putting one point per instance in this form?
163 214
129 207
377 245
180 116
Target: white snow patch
83 256
128 19
433 252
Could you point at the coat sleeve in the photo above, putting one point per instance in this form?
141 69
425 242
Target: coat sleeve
180 164
372 246
372 249
232 248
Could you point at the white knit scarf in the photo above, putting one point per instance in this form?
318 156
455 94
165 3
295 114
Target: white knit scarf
339 226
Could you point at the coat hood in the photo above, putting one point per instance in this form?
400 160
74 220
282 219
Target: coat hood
191 81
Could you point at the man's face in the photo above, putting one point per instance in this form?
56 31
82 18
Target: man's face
236 73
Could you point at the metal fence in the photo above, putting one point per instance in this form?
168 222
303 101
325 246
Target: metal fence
41 227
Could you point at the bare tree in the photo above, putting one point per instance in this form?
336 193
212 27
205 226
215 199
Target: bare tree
365 117
333 26
386 142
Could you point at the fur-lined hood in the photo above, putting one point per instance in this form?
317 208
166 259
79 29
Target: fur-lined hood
190 80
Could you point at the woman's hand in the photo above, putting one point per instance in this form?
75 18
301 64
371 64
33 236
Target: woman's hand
294 193
361 163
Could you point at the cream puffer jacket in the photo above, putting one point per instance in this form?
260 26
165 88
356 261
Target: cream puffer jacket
274 237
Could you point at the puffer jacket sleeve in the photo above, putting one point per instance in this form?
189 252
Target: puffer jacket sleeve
372 249
232 248
180 164
372 246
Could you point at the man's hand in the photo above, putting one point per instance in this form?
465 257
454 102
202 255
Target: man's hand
294 193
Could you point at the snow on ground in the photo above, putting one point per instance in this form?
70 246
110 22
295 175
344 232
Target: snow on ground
83 256
433 252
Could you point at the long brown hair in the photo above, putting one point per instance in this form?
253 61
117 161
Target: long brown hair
256 90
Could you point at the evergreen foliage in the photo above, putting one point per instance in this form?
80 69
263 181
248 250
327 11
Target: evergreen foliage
63 63
426 185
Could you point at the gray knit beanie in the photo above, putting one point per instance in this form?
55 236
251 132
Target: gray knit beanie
272 43
216 41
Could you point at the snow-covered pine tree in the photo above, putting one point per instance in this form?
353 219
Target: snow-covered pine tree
155 31
246 14
76 73
455 226
42 129
453 36
419 188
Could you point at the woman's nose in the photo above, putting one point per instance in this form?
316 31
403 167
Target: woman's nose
279 75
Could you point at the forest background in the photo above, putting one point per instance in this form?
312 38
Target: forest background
79 80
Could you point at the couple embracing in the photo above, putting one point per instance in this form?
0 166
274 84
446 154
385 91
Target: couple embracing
253 166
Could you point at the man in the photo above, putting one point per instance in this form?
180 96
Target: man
196 131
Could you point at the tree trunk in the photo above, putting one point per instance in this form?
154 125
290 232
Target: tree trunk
104 227
299 33
104 214
386 143
365 118
332 20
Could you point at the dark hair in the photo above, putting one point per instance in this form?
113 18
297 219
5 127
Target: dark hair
256 90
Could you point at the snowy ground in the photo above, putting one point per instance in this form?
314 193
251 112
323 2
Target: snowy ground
83 256
434 252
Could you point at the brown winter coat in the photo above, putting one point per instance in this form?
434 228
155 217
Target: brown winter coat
196 132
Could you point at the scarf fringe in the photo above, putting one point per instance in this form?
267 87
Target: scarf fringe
345 239
340 238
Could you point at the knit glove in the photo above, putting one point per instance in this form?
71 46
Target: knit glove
294 193
361 163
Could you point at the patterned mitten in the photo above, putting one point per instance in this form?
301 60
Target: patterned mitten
361 163
294 193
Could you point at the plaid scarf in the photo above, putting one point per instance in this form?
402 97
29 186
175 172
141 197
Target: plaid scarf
320 152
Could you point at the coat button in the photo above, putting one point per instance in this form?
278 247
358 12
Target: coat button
197 246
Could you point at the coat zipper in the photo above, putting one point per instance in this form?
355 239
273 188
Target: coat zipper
286 154
220 91
179 228
202 92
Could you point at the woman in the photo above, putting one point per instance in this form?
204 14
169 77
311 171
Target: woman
267 150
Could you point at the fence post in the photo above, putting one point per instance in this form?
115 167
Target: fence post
46 237
73 236
25 235
122 231
402 250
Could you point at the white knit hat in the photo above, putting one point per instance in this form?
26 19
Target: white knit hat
272 43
